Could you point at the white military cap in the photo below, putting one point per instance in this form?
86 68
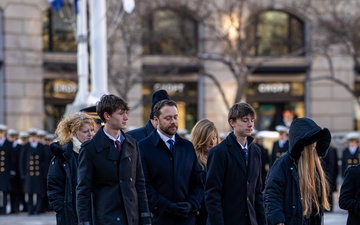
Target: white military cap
3 127
282 128
12 132
32 131
353 136
41 133
23 134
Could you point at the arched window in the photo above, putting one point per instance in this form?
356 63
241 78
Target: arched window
58 34
167 32
275 33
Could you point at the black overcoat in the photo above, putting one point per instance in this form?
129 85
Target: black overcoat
141 132
171 177
348 159
61 183
233 190
114 181
16 182
349 198
5 166
33 168
277 151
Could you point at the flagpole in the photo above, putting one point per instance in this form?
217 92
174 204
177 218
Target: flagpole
82 54
98 56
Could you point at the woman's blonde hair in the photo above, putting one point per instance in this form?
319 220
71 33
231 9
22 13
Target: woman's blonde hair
72 123
200 135
314 186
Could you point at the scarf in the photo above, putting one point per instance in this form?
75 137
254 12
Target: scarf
76 145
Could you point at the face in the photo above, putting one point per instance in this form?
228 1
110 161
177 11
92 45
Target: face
2 134
168 120
243 126
85 133
117 120
211 143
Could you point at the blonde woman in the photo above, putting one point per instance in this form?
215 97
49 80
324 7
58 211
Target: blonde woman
203 136
72 131
296 188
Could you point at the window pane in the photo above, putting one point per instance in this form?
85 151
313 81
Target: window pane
276 33
168 32
58 35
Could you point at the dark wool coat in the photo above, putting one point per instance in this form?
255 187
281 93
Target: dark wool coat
349 159
5 166
61 183
33 167
282 190
141 132
171 178
349 198
233 190
16 182
115 182
277 151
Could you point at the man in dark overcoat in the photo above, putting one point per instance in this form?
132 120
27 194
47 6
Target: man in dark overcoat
233 184
173 175
111 182
5 167
144 131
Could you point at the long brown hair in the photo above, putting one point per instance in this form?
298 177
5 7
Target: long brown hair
313 182
200 135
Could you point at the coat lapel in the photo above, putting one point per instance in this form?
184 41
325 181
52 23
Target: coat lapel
234 150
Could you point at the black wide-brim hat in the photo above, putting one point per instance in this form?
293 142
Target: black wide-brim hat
304 132
91 111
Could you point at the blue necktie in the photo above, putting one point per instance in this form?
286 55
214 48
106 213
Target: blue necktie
171 143
246 154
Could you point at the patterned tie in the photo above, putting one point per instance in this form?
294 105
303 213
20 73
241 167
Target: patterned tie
246 154
171 143
118 146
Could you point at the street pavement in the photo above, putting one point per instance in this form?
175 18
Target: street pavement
338 217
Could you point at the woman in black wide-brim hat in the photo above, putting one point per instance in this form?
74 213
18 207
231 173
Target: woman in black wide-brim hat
296 188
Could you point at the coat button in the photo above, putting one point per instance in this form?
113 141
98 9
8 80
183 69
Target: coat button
129 158
130 179
120 181
118 219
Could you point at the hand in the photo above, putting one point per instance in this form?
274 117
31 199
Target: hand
185 207
181 209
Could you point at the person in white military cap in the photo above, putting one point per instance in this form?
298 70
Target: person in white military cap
23 137
34 162
5 163
351 154
282 145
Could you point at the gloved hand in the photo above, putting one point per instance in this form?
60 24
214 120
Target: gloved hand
184 208
181 209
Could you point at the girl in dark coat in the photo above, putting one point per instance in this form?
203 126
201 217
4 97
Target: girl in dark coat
349 198
203 136
296 188
62 175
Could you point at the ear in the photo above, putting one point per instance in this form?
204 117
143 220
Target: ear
106 116
231 123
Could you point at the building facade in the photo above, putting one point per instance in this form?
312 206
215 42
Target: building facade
276 55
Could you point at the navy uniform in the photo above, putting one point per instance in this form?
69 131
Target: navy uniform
16 183
280 146
5 167
34 162
351 154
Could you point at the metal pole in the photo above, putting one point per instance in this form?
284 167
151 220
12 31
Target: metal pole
98 56
82 54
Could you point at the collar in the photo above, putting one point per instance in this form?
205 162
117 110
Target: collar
165 138
246 145
120 138
2 141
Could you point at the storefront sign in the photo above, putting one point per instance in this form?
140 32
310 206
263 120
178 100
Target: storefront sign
265 88
170 87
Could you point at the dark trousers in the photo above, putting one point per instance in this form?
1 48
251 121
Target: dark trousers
4 200
15 202
38 207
